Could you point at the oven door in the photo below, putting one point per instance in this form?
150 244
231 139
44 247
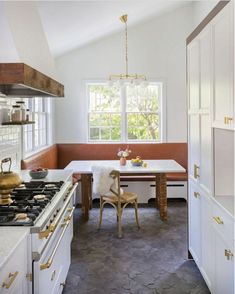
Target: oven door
50 271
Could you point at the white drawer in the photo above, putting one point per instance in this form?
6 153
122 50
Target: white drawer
223 223
13 275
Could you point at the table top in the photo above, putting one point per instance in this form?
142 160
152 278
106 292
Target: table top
153 166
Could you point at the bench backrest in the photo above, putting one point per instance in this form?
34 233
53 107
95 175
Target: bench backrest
46 158
69 152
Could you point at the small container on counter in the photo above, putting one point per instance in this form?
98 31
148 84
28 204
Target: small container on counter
16 114
27 115
23 109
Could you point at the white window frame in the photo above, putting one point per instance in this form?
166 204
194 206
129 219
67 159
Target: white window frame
48 111
162 114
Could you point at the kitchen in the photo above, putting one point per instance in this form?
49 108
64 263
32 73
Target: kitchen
66 51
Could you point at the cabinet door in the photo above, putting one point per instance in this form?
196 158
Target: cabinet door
194 145
224 267
205 38
206 240
194 222
222 27
193 74
206 153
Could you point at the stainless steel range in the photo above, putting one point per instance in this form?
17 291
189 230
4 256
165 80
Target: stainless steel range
47 208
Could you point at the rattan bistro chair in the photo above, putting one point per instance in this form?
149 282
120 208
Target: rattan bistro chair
119 200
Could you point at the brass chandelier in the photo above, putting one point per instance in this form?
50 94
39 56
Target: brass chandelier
126 78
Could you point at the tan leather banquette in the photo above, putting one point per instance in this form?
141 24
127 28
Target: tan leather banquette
59 155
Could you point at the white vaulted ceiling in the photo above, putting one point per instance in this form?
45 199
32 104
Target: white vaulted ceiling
72 24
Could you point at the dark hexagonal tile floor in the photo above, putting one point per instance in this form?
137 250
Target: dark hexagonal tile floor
152 260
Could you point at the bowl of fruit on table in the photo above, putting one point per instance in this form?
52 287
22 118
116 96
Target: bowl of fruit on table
38 173
137 161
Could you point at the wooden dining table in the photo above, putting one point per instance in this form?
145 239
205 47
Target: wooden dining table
154 168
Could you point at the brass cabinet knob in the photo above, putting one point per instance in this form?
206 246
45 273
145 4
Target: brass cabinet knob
228 253
196 194
227 120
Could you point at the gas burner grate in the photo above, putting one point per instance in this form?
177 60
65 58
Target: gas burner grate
25 202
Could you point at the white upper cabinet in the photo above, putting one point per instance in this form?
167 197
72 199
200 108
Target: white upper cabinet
193 75
205 69
199 54
222 39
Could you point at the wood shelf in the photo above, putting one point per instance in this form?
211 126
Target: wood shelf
18 123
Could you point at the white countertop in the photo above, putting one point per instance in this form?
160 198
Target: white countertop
153 166
10 238
54 175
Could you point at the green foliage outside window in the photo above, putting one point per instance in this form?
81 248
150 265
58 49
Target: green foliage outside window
136 108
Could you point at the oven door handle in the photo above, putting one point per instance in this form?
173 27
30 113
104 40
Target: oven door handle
51 258
53 226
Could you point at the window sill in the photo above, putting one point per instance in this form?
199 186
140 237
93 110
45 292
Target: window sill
29 154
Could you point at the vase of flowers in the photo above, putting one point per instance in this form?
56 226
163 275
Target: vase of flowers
123 155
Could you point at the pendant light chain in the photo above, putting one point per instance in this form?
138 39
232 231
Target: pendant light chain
126 48
126 78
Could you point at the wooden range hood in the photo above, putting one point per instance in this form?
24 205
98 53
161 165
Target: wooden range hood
21 80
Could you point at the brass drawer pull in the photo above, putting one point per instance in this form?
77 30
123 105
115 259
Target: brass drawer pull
196 194
196 171
228 254
51 258
12 277
218 220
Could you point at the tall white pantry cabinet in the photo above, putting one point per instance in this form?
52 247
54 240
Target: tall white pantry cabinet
210 78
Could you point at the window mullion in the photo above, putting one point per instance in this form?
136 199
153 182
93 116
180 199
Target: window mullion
123 115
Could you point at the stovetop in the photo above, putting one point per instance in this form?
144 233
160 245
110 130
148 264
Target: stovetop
29 202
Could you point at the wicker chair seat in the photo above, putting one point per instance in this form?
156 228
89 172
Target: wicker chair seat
124 198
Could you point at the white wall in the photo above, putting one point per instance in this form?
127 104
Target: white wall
156 48
22 36
201 9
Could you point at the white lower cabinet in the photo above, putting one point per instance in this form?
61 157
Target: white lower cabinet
194 207
211 240
223 243
206 240
224 266
13 278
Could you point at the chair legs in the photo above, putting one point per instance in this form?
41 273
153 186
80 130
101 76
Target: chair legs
119 215
101 213
136 214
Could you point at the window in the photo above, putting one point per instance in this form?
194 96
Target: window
129 114
36 136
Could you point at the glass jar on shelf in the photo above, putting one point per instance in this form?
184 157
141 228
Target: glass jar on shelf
23 109
15 114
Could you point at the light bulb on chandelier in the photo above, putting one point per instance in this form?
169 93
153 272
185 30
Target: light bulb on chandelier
121 80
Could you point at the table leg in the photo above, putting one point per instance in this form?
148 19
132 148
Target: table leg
157 187
86 195
162 197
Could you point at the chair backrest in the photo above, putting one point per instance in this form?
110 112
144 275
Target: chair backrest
115 188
